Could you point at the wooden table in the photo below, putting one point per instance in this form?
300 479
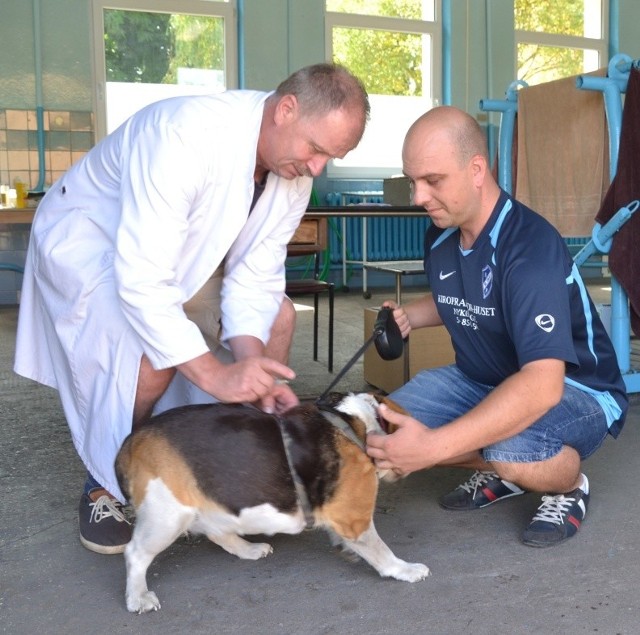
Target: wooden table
364 211
15 216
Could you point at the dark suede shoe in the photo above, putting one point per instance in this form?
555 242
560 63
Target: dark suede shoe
104 528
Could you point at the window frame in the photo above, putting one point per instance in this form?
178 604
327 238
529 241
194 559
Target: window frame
385 23
210 8
559 40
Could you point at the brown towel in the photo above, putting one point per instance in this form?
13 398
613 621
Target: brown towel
624 258
563 161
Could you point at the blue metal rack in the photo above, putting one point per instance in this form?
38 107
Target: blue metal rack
612 88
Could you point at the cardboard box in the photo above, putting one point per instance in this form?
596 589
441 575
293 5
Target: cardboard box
396 191
427 348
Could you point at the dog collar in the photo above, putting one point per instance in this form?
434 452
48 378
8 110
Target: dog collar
338 422
301 492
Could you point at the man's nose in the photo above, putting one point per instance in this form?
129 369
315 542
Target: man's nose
420 195
316 164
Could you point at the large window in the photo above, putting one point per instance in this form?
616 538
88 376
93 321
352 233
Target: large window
146 50
394 47
559 38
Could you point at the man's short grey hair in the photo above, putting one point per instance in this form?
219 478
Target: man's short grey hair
321 88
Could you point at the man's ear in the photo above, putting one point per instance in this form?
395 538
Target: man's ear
286 109
478 167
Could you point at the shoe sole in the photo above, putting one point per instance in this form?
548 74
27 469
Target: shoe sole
543 545
105 550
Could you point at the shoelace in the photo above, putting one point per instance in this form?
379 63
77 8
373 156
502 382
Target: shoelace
553 509
477 479
106 507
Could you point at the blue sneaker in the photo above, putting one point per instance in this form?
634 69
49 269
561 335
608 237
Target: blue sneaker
558 518
482 489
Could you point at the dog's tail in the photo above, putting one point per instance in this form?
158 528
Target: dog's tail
123 466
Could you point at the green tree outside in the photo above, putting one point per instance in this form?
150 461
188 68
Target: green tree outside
149 48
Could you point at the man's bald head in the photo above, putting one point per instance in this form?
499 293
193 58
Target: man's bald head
460 129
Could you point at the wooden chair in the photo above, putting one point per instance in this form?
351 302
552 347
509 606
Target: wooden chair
310 240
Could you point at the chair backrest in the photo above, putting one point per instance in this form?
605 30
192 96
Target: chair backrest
310 239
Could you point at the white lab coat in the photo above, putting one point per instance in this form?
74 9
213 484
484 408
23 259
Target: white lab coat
132 232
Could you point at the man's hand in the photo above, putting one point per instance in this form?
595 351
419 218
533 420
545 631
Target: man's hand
279 400
406 450
249 380
400 316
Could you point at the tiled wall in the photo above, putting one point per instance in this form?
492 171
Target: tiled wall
68 135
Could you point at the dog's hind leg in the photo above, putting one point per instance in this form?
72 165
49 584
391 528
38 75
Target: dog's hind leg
372 548
159 521
240 547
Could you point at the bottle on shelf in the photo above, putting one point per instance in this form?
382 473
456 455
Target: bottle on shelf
21 193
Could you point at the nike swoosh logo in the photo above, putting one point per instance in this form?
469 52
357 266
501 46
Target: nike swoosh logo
444 276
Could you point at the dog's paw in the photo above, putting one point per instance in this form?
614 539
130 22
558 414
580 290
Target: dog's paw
145 602
410 572
256 550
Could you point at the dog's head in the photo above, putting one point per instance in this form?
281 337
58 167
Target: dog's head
364 408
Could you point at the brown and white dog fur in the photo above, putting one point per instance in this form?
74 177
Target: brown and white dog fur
221 470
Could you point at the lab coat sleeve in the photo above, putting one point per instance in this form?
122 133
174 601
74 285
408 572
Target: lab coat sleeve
160 178
254 282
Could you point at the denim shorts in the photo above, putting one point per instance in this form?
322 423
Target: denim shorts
437 396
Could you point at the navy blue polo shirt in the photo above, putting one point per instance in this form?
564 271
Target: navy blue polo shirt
517 297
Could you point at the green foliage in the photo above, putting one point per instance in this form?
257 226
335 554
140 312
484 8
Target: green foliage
388 62
564 17
138 46
198 42
150 47
388 8
537 63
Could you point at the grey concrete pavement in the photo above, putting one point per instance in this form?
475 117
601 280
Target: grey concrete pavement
483 581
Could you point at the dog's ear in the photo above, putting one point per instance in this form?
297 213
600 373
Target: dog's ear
392 405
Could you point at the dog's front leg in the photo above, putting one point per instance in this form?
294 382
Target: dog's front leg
372 548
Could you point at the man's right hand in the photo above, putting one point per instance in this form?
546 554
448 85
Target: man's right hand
249 380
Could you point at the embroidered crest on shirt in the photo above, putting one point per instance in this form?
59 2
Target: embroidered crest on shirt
487 281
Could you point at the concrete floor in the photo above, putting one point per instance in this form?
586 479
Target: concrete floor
483 581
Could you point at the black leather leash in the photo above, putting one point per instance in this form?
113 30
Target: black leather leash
348 366
389 344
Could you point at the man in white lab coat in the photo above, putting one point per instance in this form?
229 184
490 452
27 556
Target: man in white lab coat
155 271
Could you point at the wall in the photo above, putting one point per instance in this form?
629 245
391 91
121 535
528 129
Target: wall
277 37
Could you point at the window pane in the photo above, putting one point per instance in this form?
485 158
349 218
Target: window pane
413 9
381 145
538 64
150 56
582 18
395 63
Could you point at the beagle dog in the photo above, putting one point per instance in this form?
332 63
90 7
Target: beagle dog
229 470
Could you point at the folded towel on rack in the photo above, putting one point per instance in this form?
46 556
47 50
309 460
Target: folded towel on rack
624 257
563 160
